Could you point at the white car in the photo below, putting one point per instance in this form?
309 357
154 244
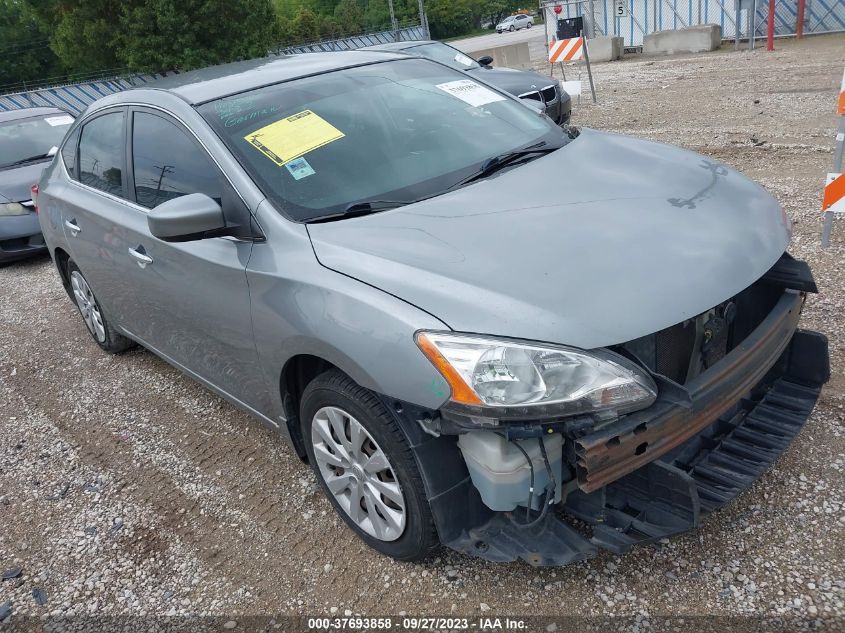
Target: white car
515 22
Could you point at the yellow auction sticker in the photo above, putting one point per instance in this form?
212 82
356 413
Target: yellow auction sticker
293 136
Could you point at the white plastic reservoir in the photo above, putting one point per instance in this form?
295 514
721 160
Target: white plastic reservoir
501 473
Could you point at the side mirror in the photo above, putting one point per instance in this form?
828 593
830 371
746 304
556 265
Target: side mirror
186 218
486 60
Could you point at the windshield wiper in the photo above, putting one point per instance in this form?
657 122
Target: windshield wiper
365 207
495 163
29 159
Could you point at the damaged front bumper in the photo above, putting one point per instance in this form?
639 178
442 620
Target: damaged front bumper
653 473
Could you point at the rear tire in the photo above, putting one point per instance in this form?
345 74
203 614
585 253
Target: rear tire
92 313
336 412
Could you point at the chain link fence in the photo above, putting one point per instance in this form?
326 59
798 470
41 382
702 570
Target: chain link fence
648 16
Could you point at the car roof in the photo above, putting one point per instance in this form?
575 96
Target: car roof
397 46
214 82
25 113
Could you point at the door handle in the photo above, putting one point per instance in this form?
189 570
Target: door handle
140 256
73 227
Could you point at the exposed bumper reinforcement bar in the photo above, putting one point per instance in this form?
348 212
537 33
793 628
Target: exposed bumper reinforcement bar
671 495
622 447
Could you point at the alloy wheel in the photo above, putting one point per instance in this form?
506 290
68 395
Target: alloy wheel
358 474
88 306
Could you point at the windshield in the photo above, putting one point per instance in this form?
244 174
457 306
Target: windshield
398 131
444 54
31 138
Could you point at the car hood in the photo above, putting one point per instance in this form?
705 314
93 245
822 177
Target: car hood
16 183
603 241
514 81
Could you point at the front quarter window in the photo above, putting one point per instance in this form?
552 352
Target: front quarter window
393 131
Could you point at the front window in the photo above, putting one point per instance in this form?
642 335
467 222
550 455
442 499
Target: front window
444 54
393 131
32 139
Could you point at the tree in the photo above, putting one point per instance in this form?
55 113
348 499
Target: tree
305 26
83 35
25 53
154 35
182 34
349 16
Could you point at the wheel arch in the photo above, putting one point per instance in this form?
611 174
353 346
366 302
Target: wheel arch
299 370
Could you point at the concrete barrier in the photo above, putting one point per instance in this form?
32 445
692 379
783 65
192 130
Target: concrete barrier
695 39
605 48
510 55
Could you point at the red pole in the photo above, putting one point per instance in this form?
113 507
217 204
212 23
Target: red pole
770 45
799 21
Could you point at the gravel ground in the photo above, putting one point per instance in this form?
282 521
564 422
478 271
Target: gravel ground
126 488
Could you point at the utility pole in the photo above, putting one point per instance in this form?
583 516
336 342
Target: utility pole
393 23
165 169
424 21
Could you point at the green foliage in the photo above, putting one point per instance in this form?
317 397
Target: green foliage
165 34
152 35
25 52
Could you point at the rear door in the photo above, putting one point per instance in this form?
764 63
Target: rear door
94 205
193 301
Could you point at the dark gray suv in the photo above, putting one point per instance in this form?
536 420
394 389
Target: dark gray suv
473 324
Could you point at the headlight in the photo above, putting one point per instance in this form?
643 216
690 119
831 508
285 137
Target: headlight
13 208
520 380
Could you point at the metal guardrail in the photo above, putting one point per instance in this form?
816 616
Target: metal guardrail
406 34
75 97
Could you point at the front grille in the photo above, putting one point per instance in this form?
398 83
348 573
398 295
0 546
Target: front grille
673 349
534 96
682 351
549 94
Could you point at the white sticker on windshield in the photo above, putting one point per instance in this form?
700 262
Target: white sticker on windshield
64 119
463 59
300 168
470 92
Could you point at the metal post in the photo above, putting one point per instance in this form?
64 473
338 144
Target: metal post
592 18
799 20
752 25
546 28
423 21
738 33
837 168
770 28
589 70
393 23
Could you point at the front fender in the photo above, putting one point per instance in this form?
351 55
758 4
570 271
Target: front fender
300 307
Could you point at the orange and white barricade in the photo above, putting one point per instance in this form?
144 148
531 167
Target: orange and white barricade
841 107
833 200
566 50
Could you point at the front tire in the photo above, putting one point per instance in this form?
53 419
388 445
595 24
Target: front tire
512 28
365 467
92 314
